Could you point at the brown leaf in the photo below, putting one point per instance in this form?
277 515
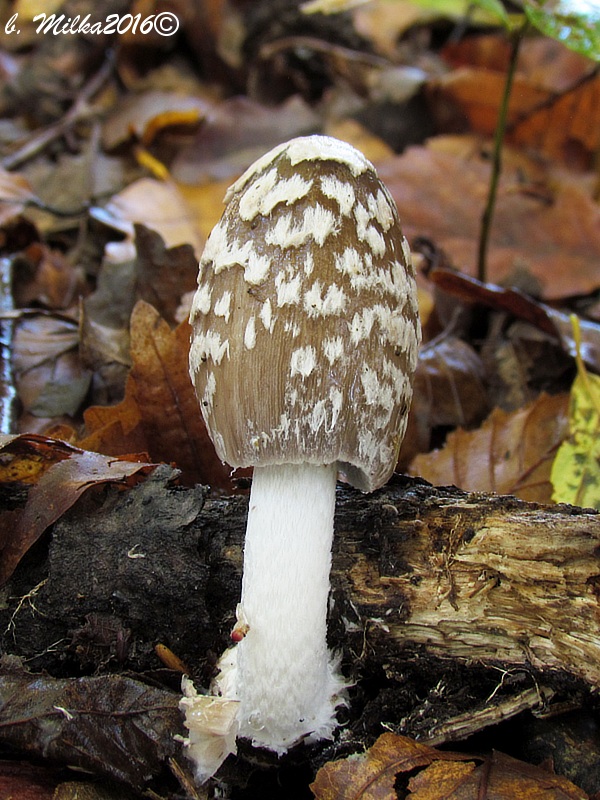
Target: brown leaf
372 776
441 189
449 390
15 192
477 94
440 780
143 114
163 275
445 775
523 307
49 376
156 204
566 129
115 430
553 105
58 485
108 725
543 61
499 778
26 781
236 133
449 383
511 453
160 412
50 280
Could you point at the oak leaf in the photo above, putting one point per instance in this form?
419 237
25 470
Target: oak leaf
160 413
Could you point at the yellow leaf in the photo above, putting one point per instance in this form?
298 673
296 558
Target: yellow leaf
575 472
152 164
28 9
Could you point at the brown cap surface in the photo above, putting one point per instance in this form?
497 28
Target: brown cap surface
305 321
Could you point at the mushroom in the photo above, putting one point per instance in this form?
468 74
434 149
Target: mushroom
305 339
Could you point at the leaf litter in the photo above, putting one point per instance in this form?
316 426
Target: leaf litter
439 774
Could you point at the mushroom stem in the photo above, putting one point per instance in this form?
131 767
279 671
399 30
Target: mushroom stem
287 683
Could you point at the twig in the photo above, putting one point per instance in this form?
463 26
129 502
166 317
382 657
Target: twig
80 110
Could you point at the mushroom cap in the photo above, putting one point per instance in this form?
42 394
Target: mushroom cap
305 320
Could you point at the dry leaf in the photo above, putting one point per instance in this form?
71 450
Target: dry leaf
163 275
50 379
48 279
15 192
553 107
449 384
522 307
108 725
142 115
543 62
499 778
157 205
441 780
236 133
511 453
449 391
60 474
160 412
441 191
562 128
372 776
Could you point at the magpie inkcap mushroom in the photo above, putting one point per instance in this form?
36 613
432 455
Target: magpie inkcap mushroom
305 341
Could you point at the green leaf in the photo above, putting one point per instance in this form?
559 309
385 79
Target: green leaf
575 472
575 23
494 8
485 12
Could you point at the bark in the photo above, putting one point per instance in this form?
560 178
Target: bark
451 610
478 577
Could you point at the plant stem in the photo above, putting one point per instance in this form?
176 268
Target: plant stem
488 214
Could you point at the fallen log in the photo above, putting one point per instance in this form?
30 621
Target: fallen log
451 610
472 576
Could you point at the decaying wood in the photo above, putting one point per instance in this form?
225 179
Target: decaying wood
451 610
478 577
